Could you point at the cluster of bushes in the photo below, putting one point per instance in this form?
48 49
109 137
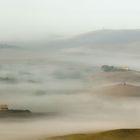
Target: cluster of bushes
108 68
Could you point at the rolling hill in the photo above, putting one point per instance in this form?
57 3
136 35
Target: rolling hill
126 90
120 134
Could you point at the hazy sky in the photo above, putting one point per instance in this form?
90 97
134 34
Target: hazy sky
31 19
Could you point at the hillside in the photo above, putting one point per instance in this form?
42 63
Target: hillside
121 134
126 90
118 76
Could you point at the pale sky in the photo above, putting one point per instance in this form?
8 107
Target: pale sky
32 19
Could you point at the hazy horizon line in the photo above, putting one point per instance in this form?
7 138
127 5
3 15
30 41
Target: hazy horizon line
52 37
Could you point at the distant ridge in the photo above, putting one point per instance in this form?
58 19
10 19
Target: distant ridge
109 37
101 37
100 45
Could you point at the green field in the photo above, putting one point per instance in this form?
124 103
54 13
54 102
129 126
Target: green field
120 134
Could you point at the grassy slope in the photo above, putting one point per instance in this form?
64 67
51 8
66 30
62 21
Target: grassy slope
120 134
120 90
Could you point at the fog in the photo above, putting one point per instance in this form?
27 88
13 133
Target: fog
51 54
61 77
